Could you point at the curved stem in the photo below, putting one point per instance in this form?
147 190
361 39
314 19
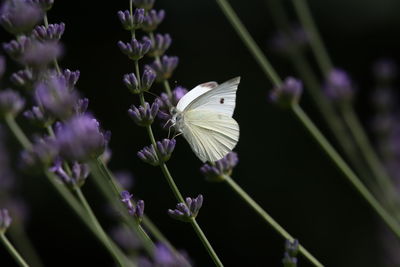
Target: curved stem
249 42
116 252
317 45
17 132
18 258
274 224
345 169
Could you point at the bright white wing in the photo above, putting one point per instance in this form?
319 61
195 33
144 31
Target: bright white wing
211 135
221 99
194 93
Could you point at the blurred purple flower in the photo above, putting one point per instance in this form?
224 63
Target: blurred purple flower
152 19
11 103
222 167
185 211
39 54
288 93
165 67
338 86
5 220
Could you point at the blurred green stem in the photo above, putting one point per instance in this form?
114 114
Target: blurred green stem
14 253
274 224
345 169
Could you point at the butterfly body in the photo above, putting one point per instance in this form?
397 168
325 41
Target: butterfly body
204 117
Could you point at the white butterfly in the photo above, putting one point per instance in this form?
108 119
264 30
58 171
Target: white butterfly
204 117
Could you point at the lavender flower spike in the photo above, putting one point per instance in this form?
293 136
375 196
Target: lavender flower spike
23 78
160 45
51 33
11 103
165 148
288 93
165 67
145 114
152 20
77 177
222 167
185 211
135 49
5 220
131 22
338 86
137 211
81 139
39 54
43 152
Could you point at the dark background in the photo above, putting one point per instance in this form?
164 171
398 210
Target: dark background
280 165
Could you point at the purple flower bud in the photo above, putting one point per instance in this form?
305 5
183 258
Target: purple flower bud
39 118
42 153
135 49
145 4
131 22
2 66
5 220
56 98
11 103
131 83
167 102
81 106
145 114
291 251
16 48
71 77
40 54
288 93
80 138
160 45
23 78
136 211
385 69
77 177
19 16
45 5
338 86
222 167
165 148
165 67
152 19
51 33
185 211
148 78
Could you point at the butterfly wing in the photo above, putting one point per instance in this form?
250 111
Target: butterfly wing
221 99
211 135
195 93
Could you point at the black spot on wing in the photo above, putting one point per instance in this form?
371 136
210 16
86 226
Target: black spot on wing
222 100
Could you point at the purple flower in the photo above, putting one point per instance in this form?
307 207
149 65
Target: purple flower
2 66
56 98
291 251
124 178
186 211
135 49
131 22
81 139
19 16
160 45
152 19
145 114
287 42
125 238
165 67
167 102
16 48
222 167
136 211
77 177
165 148
165 257
385 69
51 33
39 54
70 77
43 152
39 118
145 4
338 86
132 83
23 78
288 93
148 78
11 102
5 220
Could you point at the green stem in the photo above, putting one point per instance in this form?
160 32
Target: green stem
317 45
17 132
115 251
205 242
18 258
345 169
249 42
274 224
383 180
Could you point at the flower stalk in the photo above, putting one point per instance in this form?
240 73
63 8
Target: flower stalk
11 249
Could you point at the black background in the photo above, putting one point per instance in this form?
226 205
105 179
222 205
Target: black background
280 165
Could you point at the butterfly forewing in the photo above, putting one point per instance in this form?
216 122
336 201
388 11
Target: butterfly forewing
221 99
211 135
194 94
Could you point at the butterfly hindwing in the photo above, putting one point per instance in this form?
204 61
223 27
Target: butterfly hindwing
211 135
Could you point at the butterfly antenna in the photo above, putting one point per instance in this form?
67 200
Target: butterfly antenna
167 123
152 94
